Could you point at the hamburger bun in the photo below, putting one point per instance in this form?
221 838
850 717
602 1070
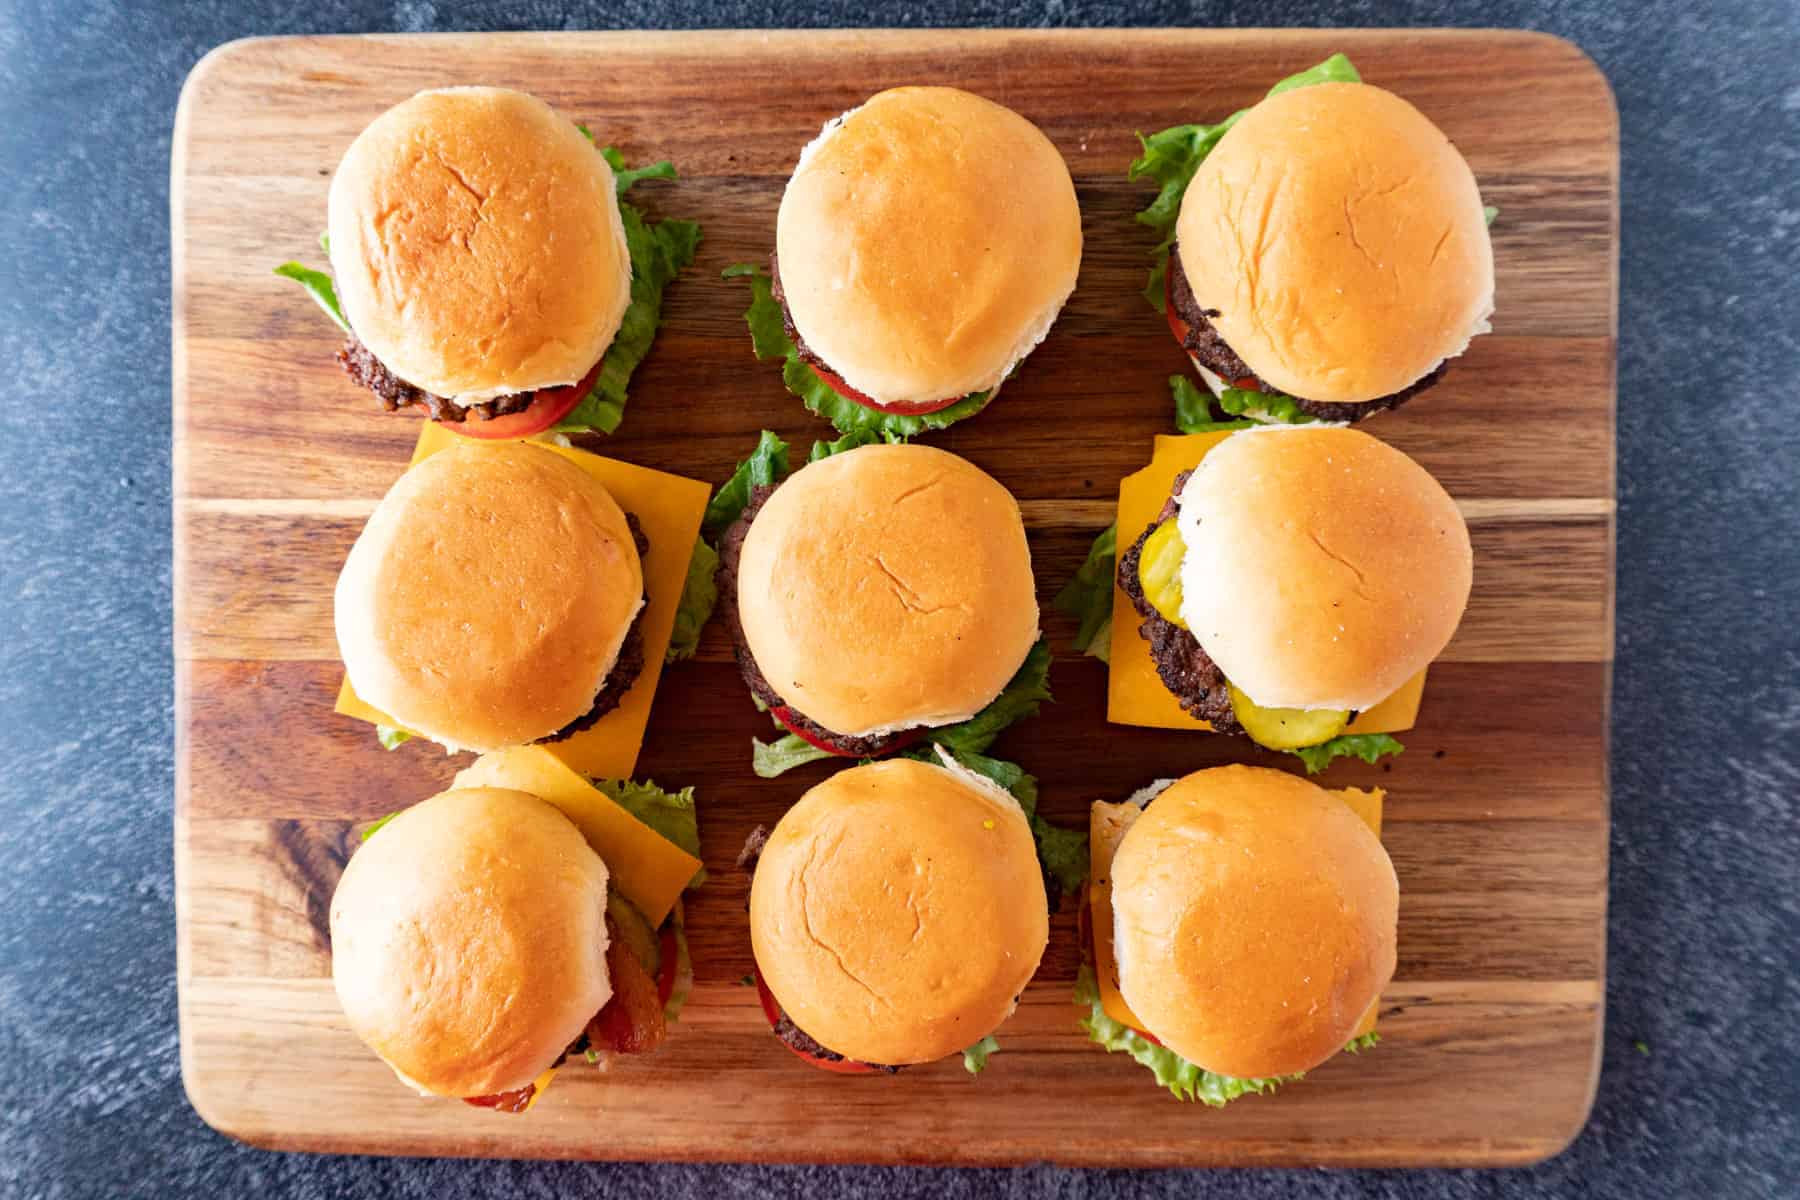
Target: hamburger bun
485 602
888 587
468 941
477 244
898 910
926 242
1324 568
1341 239
1253 921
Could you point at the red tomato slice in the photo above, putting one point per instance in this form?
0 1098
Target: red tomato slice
905 409
667 952
548 407
785 716
772 1011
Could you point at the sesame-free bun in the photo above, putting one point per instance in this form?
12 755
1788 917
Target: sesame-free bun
1253 921
477 244
1324 568
486 600
468 941
926 242
888 587
898 910
1341 239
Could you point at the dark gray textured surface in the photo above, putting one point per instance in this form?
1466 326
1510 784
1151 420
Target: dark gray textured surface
1705 928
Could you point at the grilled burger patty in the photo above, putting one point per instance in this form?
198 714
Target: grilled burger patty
625 669
1185 669
360 363
1211 351
731 548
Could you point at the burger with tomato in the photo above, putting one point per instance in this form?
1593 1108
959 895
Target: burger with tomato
485 269
925 244
493 599
896 914
478 941
1325 251
880 596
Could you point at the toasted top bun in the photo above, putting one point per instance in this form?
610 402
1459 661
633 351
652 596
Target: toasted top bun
888 587
1341 238
898 910
1253 921
926 242
477 244
468 941
486 600
1324 568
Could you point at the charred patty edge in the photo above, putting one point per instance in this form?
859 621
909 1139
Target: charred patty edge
1210 349
1182 663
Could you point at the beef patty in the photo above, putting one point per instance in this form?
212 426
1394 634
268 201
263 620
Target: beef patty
1211 351
799 1039
731 548
360 363
625 669
1184 667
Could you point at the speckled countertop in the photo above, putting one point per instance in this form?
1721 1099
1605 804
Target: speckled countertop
1700 1094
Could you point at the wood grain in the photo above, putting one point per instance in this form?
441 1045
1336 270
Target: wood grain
1497 814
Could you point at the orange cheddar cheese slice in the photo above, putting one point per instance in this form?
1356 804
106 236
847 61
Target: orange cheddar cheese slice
1107 826
670 509
1135 694
648 869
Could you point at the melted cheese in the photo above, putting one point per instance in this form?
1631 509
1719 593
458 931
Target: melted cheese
1135 694
648 869
539 1086
1107 826
670 508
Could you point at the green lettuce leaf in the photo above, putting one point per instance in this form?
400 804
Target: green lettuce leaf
771 759
975 1058
1488 213
1367 1041
850 441
684 971
624 178
1367 746
1184 1080
1277 408
1064 852
1028 688
769 339
1088 597
659 251
1194 408
766 466
391 737
670 814
1171 157
319 286
376 827
699 594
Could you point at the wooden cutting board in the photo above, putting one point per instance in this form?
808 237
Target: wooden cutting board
1497 814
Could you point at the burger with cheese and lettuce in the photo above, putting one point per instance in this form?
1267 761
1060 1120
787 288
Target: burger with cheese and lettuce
1297 576
485 269
924 246
1240 930
879 596
479 939
897 912
1325 252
